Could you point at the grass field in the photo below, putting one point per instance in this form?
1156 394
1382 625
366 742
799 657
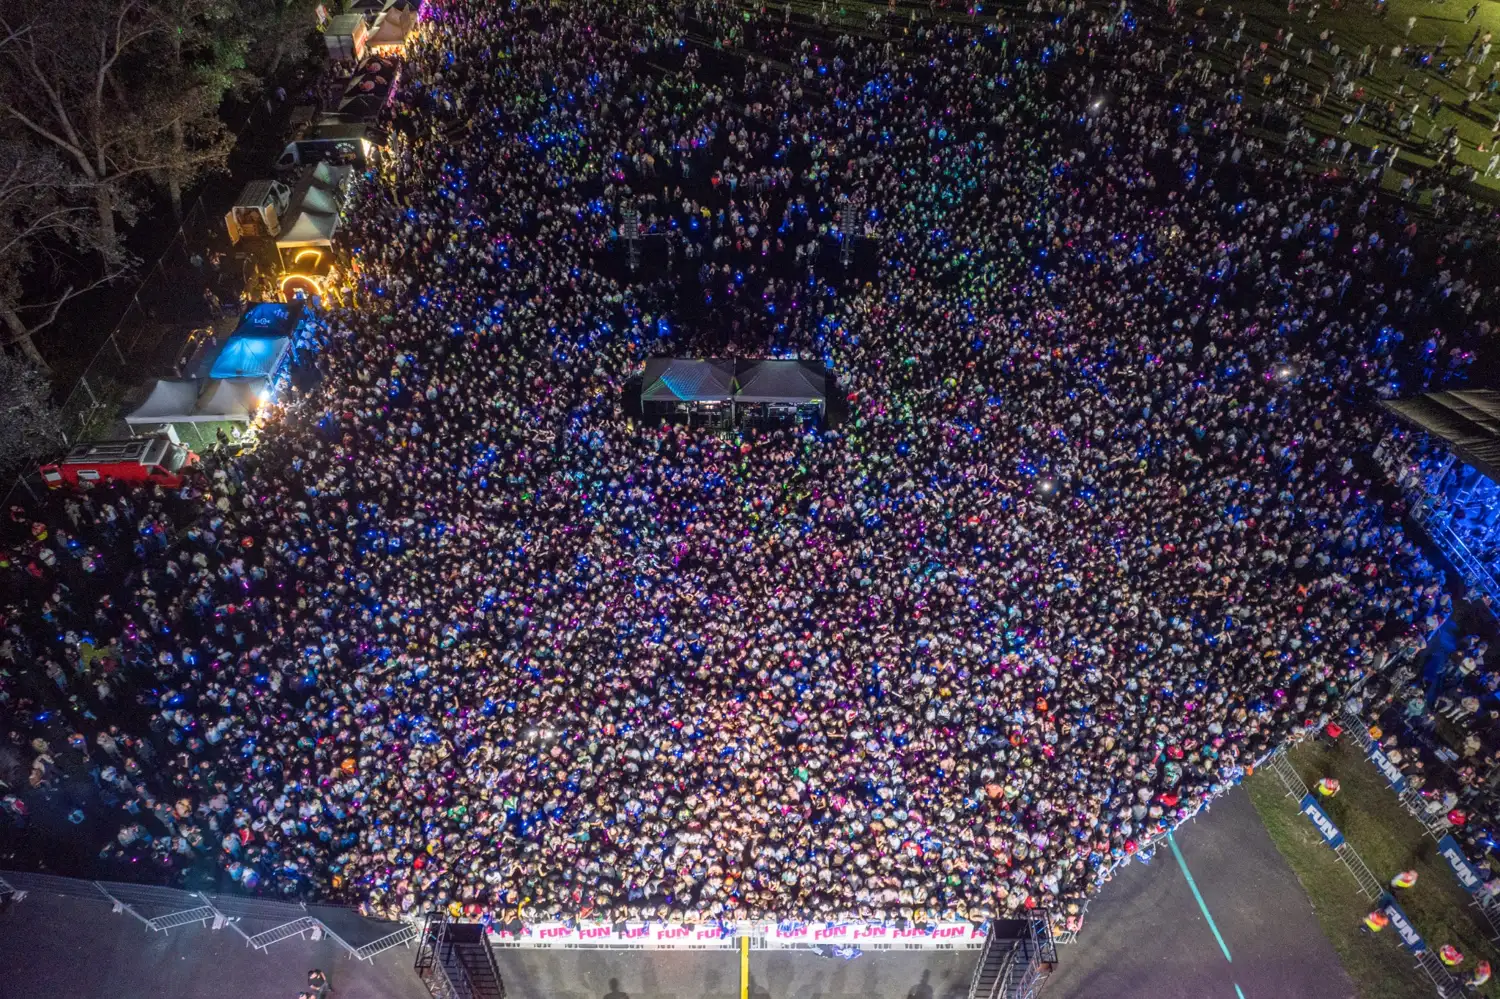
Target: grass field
1353 26
1389 840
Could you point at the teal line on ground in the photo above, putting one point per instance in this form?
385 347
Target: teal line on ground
1172 840
1239 991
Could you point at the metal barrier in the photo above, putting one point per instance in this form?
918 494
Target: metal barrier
1296 788
1371 887
1436 826
1017 957
163 909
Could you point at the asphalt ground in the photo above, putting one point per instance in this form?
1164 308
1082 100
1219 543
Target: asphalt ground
1147 936
1147 933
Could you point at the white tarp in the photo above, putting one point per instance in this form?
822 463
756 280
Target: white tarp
171 401
234 399
309 230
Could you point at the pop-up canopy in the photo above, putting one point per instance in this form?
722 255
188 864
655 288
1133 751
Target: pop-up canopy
671 379
251 357
787 382
192 400
234 399
171 401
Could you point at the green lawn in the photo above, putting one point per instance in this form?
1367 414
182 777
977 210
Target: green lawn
1353 27
1389 840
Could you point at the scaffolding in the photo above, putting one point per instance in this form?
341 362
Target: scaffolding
1456 503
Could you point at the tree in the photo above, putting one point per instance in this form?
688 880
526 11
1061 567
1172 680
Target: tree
203 58
30 426
49 233
84 78
281 29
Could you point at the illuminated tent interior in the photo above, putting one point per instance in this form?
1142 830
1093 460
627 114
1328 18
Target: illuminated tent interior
251 357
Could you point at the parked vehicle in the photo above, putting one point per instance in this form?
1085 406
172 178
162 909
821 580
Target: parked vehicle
155 460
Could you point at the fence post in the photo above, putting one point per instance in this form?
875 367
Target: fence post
83 383
116 345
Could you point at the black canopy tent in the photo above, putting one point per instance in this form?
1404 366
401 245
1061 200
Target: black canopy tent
779 390
718 391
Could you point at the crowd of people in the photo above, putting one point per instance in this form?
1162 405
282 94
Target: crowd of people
460 633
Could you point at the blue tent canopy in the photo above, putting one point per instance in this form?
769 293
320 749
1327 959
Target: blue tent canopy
270 319
250 357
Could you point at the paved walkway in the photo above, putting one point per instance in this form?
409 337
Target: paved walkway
1149 932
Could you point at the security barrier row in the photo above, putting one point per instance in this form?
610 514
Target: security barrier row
163 909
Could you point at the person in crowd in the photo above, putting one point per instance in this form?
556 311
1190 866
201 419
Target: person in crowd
460 633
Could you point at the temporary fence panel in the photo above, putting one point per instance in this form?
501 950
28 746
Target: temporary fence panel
275 935
402 937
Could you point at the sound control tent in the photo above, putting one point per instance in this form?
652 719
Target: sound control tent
674 380
781 384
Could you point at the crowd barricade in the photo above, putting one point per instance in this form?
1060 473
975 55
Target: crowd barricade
666 935
1443 981
164 909
1436 826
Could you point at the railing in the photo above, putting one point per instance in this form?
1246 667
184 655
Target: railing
439 968
1443 982
1437 524
1019 969
163 909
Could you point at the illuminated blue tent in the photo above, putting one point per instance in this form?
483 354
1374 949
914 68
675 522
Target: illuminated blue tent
270 319
251 357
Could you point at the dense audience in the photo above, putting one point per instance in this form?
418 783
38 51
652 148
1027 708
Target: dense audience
460 632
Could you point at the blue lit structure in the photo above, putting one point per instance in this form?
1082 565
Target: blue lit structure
1444 453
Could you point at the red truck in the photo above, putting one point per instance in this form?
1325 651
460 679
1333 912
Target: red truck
150 460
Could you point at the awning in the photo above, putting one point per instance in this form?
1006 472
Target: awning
1468 421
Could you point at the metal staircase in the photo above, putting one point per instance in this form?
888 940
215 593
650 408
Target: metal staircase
455 962
1017 957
